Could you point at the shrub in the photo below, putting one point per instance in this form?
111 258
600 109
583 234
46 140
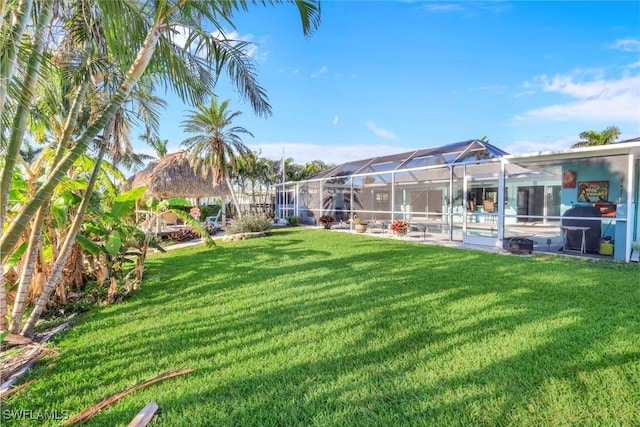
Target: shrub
359 221
399 226
326 220
293 220
183 235
250 223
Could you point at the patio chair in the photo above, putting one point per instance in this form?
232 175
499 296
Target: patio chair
490 208
214 220
169 218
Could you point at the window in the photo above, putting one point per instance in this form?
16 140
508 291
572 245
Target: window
382 197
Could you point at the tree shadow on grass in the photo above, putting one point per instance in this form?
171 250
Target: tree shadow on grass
341 338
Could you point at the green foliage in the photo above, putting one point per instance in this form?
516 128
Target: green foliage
208 210
125 202
114 243
591 137
16 255
359 221
293 220
250 223
310 327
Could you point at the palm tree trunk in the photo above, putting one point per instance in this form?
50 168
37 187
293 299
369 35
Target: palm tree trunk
233 196
65 251
26 277
18 225
20 18
18 126
22 15
36 235
253 195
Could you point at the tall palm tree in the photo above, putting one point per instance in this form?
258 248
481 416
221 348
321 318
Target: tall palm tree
591 137
216 148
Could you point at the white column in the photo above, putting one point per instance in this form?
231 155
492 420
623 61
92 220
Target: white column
630 208
501 200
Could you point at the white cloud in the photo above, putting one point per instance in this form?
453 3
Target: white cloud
561 143
495 88
289 70
250 49
335 154
322 70
180 34
535 146
627 45
595 99
335 120
382 133
468 8
450 7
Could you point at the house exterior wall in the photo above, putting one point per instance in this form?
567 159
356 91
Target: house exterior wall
449 199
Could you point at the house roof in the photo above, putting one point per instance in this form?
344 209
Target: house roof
173 176
470 151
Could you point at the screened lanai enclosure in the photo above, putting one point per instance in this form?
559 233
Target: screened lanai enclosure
474 192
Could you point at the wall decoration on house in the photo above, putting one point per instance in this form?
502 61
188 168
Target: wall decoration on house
569 179
593 191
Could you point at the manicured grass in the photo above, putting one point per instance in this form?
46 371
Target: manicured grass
313 327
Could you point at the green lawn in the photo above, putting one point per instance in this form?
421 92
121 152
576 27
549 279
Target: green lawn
313 327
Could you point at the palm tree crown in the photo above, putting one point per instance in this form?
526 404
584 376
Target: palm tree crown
217 145
591 137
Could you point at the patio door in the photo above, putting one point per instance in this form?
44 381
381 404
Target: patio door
481 228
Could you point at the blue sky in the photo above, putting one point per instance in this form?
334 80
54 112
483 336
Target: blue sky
381 77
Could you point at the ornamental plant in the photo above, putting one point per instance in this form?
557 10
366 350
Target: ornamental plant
359 221
399 226
326 220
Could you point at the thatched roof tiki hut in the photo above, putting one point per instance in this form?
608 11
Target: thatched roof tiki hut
173 176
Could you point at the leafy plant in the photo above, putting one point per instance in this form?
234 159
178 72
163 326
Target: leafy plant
359 221
250 223
293 220
326 220
400 226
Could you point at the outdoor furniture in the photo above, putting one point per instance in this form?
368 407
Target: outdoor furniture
490 208
169 218
567 228
587 240
378 224
214 220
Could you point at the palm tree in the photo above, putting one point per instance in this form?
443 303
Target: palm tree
148 51
591 137
217 147
160 146
182 68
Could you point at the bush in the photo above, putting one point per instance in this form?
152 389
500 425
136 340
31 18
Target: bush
293 220
250 223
